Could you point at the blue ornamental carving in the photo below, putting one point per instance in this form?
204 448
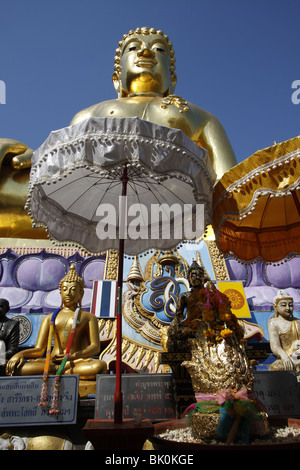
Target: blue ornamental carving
161 294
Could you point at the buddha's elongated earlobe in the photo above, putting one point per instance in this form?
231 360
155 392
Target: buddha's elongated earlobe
173 84
117 85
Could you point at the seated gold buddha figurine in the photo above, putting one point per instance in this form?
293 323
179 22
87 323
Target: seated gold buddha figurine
145 79
85 342
284 334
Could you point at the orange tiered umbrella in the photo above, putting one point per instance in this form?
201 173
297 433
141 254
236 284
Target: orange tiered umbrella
256 205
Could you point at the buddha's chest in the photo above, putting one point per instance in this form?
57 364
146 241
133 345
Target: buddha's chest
170 111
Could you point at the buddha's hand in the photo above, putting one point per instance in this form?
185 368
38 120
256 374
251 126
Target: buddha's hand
18 153
57 359
23 160
14 363
287 362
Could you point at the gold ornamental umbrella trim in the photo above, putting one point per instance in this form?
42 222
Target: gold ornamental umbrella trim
256 207
266 175
260 163
265 195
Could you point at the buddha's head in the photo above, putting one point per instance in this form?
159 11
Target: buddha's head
71 288
283 304
4 307
196 275
144 64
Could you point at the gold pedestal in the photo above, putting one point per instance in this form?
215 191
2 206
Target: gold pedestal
204 425
183 390
87 387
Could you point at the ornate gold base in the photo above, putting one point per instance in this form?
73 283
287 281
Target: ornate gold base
204 425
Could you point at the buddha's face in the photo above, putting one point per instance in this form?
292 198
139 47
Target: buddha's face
145 65
284 307
70 293
196 278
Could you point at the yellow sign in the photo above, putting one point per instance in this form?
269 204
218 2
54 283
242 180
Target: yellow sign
235 292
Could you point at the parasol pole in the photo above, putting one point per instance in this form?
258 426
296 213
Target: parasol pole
118 392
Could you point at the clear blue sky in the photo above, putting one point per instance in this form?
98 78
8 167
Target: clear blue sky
235 58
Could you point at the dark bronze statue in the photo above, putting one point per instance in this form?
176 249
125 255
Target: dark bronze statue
9 335
188 308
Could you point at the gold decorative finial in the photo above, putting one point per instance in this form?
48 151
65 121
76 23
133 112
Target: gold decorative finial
135 273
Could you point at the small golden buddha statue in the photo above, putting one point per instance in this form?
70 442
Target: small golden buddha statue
85 344
145 79
284 334
30 441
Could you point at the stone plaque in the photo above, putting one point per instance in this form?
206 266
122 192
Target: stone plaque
20 396
279 392
146 395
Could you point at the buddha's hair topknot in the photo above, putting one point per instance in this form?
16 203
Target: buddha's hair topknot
72 276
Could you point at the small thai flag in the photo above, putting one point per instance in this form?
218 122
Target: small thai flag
104 299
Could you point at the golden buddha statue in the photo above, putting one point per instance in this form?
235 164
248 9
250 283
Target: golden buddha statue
85 343
284 334
31 441
15 162
144 78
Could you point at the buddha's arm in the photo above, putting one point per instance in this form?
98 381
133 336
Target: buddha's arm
33 353
41 342
13 341
276 346
180 306
213 138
